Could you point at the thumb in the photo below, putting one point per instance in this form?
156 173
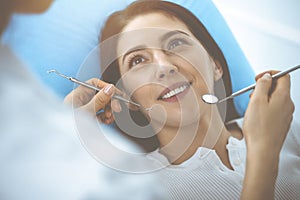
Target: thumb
263 87
102 98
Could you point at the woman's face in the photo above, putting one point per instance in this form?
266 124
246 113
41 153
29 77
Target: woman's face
165 67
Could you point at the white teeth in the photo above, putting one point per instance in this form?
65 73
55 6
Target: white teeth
175 91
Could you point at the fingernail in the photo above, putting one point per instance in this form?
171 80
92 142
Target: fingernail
109 89
117 107
267 76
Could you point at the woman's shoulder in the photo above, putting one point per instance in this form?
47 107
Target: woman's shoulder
294 132
291 144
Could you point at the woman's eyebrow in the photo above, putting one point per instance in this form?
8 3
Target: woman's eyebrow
162 38
136 48
171 33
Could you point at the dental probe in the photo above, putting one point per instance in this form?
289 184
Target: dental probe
74 80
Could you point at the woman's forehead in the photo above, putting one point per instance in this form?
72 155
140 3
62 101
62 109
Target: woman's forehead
149 30
148 37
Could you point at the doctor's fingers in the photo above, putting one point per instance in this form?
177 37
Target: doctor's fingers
106 116
101 84
284 81
262 88
260 75
97 82
283 85
101 99
281 94
82 95
271 72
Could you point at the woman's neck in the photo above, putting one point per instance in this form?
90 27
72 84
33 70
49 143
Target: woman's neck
178 144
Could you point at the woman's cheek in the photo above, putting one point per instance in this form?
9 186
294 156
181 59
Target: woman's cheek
198 64
137 78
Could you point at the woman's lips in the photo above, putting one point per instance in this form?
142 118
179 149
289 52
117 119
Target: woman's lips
175 92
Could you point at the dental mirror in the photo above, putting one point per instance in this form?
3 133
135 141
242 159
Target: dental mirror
212 99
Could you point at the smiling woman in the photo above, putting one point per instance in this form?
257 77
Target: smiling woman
162 57
174 40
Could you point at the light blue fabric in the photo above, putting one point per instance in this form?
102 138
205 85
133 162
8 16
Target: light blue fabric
62 37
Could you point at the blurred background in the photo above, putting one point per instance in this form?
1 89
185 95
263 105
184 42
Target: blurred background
268 32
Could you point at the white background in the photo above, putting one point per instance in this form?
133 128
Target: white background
268 31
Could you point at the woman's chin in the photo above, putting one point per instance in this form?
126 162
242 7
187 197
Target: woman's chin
183 119
174 114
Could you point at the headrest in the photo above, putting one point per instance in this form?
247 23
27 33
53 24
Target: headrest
62 37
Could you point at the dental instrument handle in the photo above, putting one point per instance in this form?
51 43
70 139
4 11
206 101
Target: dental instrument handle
74 80
98 89
250 87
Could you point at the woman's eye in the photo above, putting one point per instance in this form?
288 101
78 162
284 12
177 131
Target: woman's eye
136 60
174 43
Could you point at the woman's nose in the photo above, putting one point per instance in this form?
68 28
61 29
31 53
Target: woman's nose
164 67
165 71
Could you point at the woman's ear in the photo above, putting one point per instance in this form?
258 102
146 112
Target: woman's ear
217 69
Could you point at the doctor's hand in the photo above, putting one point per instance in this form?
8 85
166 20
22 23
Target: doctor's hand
266 124
90 101
269 114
